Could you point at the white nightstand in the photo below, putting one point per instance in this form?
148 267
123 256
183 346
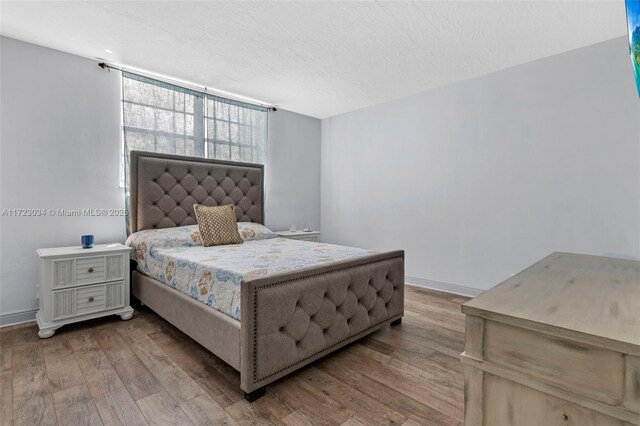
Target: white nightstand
77 284
300 235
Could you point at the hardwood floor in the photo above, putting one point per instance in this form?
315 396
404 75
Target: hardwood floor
145 371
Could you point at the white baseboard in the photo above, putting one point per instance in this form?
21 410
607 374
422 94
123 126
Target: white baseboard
17 317
446 287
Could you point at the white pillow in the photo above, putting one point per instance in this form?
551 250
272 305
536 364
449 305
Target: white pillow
250 231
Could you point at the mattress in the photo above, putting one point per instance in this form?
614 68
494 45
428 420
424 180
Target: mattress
212 275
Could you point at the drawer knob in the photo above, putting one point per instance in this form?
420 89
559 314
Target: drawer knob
90 270
91 299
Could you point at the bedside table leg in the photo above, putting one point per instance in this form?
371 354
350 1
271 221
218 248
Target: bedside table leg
127 314
45 334
45 330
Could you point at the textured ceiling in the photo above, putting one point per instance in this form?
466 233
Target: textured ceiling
316 58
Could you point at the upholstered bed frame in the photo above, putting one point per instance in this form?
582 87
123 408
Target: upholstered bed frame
287 320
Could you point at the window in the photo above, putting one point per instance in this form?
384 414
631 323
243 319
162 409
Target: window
235 131
163 117
160 117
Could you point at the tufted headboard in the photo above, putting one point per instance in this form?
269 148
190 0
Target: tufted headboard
164 188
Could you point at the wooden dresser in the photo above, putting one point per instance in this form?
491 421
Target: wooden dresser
556 344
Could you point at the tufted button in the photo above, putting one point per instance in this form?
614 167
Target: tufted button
281 329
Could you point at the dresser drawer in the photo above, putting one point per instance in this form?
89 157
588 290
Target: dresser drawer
86 300
593 372
509 403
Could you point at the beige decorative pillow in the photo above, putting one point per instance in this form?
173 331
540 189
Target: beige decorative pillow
217 225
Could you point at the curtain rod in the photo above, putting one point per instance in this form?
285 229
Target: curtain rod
200 89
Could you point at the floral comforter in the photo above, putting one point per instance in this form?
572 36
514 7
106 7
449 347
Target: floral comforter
212 275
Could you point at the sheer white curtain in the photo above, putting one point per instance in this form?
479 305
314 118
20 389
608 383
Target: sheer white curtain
163 117
235 131
160 117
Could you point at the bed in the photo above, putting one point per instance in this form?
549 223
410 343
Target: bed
284 317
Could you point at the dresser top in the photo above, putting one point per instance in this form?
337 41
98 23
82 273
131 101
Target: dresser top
77 251
592 295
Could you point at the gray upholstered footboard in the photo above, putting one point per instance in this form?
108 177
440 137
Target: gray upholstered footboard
292 319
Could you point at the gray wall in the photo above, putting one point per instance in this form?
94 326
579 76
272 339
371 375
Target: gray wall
293 171
479 179
59 143
59 148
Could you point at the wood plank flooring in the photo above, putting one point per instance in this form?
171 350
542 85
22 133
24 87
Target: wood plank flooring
146 372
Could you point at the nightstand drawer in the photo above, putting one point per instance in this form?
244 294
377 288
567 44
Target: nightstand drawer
314 238
90 270
300 235
87 270
90 299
